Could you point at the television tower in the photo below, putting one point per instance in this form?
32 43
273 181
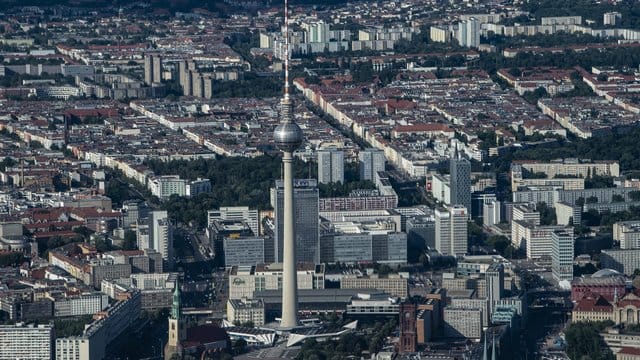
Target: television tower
288 137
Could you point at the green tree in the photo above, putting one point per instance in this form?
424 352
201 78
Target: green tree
130 240
547 214
239 347
583 340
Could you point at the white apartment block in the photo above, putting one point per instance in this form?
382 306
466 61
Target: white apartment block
535 239
84 304
491 213
627 233
165 186
573 167
624 261
567 214
26 342
525 213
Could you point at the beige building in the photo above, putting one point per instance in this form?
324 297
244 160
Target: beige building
246 310
567 214
624 310
395 285
627 233
245 281
573 167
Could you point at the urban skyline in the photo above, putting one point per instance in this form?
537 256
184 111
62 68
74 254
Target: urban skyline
319 180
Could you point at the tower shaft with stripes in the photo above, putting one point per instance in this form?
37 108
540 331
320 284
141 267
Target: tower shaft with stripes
288 137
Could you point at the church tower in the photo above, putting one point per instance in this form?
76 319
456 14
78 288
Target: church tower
177 328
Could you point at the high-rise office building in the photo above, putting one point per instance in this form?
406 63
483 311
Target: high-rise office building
239 213
371 161
460 183
330 166
134 210
451 230
243 251
161 236
562 254
305 193
495 284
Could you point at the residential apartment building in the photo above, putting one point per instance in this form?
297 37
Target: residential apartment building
628 234
371 161
330 166
20 341
625 261
572 167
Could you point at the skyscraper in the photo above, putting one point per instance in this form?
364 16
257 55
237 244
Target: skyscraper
152 69
562 254
161 236
288 137
495 284
469 33
460 184
451 230
330 166
371 161
306 197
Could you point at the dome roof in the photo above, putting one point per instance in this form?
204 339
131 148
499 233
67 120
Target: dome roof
605 273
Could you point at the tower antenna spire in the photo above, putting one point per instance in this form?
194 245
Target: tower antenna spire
286 49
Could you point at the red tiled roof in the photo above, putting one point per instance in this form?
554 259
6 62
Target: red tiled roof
422 128
593 303
204 334
629 351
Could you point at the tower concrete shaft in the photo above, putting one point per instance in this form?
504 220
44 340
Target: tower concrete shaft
289 271
288 137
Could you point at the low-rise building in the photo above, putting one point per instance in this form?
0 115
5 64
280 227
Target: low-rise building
246 310
393 284
245 281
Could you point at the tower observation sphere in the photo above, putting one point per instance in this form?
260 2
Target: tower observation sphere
288 136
